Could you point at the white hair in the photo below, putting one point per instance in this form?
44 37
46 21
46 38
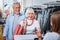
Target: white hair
29 10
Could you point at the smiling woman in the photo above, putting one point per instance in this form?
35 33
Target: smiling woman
30 25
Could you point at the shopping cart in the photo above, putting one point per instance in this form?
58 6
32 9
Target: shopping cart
25 37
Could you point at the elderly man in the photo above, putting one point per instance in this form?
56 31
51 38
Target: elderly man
12 20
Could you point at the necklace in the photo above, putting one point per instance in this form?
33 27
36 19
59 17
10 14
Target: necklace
30 23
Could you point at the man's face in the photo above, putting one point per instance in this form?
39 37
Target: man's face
16 8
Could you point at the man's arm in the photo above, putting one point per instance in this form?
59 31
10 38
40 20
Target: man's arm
5 31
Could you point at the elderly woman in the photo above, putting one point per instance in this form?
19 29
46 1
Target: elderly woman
30 24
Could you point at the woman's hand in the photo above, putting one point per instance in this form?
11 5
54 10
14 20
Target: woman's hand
4 37
38 33
39 39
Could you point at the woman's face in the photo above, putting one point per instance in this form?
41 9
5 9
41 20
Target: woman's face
30 15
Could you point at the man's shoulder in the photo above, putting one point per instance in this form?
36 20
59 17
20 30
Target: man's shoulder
9 15
22 15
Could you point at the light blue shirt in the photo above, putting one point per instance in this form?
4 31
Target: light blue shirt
51 36
9 26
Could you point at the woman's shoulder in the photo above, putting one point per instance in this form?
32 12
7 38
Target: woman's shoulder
52 33
36 21
51 36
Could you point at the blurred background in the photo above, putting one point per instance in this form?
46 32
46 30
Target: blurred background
6 5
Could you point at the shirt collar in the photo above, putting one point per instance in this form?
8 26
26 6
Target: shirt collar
17 14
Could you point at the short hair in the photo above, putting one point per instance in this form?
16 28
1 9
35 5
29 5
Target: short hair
16 3
55 19
29 10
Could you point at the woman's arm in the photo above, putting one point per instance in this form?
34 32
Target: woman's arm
38 30
38 33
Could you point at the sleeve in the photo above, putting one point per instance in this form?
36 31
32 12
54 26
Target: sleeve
23 16
5 31
37 25
21 23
